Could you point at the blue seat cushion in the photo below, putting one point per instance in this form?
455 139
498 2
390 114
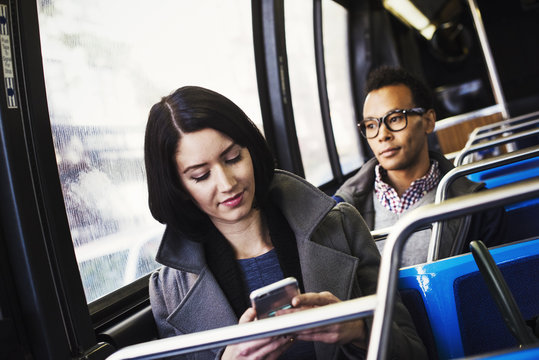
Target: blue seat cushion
481 324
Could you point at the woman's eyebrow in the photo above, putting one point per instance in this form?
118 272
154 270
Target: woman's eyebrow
196 166
192 167
228 149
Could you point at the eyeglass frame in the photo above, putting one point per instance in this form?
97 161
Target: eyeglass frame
383 119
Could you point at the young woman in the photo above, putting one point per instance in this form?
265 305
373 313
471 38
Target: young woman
234 224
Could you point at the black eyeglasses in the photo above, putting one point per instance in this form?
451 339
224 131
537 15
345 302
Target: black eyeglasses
395 120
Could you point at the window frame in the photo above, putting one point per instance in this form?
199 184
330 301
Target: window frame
274 84
57 319
331 145
274 87
49 288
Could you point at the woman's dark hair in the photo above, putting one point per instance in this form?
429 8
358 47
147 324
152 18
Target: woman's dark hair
186 110
387 76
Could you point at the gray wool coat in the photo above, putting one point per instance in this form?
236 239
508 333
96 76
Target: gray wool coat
336 253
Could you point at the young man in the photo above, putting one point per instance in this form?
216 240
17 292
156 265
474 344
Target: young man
398 115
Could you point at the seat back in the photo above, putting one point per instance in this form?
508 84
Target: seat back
520 217
473 302
462 317
507 174
502 170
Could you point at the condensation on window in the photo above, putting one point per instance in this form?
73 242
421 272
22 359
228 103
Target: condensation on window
338 75
105 63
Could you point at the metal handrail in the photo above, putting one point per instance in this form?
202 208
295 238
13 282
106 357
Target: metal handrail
462 118
382 302
456 207
493 76
281 325
382 234
488 144
502 123
463 170
509 129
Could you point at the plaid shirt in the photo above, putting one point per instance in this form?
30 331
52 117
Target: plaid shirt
389 198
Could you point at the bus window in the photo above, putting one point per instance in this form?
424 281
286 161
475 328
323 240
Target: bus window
105 63
339 87
304 90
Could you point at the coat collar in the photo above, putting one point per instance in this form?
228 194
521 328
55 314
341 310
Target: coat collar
180 252
302 204
305 207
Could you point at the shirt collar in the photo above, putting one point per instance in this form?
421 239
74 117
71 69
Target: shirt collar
418 188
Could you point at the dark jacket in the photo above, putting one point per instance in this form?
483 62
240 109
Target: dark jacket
336 254
488 226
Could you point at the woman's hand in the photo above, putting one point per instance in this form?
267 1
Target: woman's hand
341 333
268 348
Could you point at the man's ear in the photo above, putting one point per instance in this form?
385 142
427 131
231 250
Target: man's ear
430 120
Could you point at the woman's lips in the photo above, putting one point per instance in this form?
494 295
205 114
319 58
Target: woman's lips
233 201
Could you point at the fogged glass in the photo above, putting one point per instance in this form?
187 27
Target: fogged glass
341 102
105 63
304 90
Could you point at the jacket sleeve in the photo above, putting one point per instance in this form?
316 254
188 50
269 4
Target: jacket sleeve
404 340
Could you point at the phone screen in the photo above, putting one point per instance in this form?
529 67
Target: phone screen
274 297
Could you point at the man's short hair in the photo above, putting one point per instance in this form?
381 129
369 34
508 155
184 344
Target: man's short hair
387 76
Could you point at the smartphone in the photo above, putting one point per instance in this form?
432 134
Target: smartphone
273 297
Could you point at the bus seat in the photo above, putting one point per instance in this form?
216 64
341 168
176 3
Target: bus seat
515 354
474 302
520 217
462 316
506 174
522 331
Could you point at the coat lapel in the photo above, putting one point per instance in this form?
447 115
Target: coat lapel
335 269
205 307
334 273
